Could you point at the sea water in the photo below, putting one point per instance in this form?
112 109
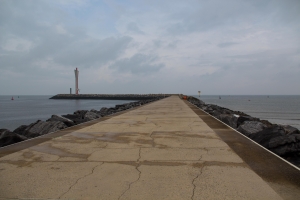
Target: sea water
27 109
281 109
24 110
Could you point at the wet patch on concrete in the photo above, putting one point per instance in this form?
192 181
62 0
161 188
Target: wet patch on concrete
49 149
195 134
231 164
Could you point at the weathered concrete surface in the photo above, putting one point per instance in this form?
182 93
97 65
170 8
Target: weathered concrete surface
281 176
163 150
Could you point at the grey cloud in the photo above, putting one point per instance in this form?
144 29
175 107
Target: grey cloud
68 51
138 64
201 31
205 15
172 45
226 44
157 43
71 47
288 12
264 65
208 15
88 52
27 19
134 28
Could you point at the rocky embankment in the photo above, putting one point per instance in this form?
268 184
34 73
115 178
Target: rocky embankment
283 140
57 122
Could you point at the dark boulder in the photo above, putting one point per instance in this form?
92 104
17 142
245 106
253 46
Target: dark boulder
77 117
20 130
267 123
276 139
130 105
81 116
208 108
215 113
64 120
103 111
284 145
211 110
80 113
91 115
289 130
215 107
229 119
240 113
39 128
110 111
264 136
71 116
121 106
195 101
7 137
226 111
216 110
205 107
250 127
95 111
244 118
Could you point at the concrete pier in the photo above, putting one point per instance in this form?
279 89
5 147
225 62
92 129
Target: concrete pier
167 149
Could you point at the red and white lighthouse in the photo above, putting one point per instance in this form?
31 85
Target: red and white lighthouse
76 80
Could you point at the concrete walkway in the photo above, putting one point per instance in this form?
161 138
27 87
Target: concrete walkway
163 150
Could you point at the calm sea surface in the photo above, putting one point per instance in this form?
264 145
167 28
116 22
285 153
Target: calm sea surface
277 109
27 109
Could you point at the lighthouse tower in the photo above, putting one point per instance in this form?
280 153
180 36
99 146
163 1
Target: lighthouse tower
76 80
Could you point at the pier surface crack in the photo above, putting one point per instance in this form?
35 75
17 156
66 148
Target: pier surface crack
151 136
137 168
138 160
206 150
129 186
80 179
193 182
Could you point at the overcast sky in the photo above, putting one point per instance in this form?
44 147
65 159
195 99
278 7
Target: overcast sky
148 46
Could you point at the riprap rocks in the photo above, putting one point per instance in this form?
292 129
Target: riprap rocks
283 140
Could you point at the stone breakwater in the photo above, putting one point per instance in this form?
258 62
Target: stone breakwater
283 140
110 96
57 122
